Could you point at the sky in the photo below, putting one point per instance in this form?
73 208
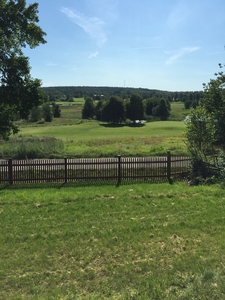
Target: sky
171 45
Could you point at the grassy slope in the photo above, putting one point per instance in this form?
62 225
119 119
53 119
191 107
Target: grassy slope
95 130
133 242
92 139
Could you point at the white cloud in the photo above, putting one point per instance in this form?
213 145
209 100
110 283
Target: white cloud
94 27
180 53
94 54
51 64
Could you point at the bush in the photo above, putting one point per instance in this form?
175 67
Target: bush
202 172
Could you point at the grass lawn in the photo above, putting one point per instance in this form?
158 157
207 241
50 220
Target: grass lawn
143 241
94 139
96 130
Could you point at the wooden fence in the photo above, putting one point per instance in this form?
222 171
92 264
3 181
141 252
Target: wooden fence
94 169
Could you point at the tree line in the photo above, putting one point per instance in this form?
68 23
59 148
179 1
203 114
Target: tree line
47 111
117 110
70 93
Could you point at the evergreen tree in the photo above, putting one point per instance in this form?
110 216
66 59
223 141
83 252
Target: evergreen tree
98 110
114 111
56 110
135 108
88 110
162 110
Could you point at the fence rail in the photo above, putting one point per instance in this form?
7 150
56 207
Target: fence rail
91 169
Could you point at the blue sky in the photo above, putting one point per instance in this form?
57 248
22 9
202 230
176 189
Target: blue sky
173 45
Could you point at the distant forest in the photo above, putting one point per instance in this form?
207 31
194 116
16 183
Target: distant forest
68 93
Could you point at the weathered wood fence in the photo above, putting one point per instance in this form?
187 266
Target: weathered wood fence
94 169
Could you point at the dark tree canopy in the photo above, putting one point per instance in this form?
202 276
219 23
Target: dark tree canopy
47 112
162 110
114 111
56 110
19 92
88 109
135 108
98 110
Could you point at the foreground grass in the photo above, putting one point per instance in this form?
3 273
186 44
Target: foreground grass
155 241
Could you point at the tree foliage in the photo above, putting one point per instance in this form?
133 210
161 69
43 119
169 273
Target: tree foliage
19 92
158 107
135 108
88 110
200 132
206 125
205 131
214 104
162 110
56 110
98 110
47 112
35 114
114 111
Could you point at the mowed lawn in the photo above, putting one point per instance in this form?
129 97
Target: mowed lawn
93 129
142 241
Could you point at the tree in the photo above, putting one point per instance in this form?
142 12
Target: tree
162 110
98 110
214 103
205 130
56 110
35 114
88 110
150 104
135 108
47 112
19 92
200 132
114 111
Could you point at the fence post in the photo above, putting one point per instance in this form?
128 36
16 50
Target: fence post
119 170
65 163
168 166
10 171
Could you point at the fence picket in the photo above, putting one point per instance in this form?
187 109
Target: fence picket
118 169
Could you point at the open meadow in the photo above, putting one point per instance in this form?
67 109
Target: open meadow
91 139
142 241
84 138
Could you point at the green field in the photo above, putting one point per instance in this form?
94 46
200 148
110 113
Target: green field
143 241
85 138
76 101
96 130
93 139
178 111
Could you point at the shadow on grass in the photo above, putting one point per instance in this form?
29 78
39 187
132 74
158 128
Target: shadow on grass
110 125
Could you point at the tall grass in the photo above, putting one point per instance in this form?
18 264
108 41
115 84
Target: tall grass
49 147
31 147
155 241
